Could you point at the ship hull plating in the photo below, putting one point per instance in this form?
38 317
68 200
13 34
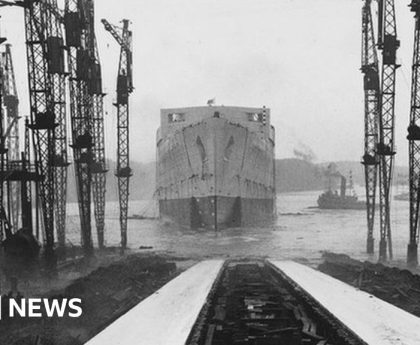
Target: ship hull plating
216 172
217 212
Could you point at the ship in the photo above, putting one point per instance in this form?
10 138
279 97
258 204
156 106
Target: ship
332 200
402 197
215 166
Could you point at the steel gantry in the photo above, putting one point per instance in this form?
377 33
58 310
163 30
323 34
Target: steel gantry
5 229
11 104
414 142
76 25
42 113
16 170
124 88
370 70
96 95
46 76
57 76
388 44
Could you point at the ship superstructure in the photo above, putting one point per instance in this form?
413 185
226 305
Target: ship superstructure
215 166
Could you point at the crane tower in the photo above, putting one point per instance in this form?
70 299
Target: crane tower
11 104
99 161
388 44
124 88
370 70
57 76
76 25
414 143
42 115
5 229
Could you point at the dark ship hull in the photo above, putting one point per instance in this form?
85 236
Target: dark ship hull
330 201
218 211
216 171
402 197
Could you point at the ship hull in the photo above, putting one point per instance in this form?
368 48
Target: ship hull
217 212
217 173
332 206
340 203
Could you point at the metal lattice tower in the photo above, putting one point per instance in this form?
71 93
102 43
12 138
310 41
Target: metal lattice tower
414 143
11 104
388 44
99 161
124 88
43 122
76 24
27 185
57 75
5 229
370 70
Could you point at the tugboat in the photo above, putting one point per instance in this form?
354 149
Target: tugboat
331 200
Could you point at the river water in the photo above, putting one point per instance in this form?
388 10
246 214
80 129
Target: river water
300 232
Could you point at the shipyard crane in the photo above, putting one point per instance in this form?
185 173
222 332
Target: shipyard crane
414 142
385 150
76 23
11 104
95 109
124 87
5 228
21 247
15 171
45 61
42 111
42 114
99 161
57 76
370 70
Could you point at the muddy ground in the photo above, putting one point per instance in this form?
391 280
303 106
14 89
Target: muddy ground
398 286
107 292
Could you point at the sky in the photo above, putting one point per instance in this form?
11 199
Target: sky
301 58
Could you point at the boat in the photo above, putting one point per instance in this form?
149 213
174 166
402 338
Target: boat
402 193
402 197
215 166
332 200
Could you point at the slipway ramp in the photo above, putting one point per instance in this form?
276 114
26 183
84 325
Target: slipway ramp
374 321
167 316
175 312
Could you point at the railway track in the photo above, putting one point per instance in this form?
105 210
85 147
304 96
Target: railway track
253 303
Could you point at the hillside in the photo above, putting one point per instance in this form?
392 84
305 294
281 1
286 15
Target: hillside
400 173
294 174
142 183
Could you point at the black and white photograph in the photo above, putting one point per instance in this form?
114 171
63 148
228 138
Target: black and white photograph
209 172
